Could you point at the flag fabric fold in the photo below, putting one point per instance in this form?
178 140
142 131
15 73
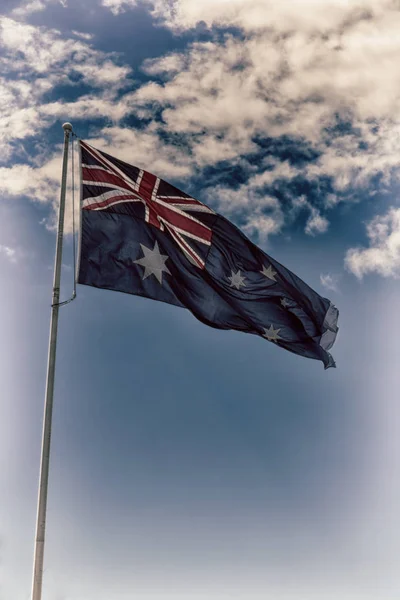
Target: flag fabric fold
143 236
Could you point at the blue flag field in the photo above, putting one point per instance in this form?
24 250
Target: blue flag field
143 236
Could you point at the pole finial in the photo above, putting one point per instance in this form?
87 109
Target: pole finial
67 127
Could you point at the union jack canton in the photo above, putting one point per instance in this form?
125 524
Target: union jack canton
165 207
143 236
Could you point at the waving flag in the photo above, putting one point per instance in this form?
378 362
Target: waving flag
143 236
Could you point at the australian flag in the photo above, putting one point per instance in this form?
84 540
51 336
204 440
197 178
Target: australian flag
143 236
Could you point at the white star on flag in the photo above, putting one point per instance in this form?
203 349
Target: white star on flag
269 273
271 334
237 280
284 302
153 262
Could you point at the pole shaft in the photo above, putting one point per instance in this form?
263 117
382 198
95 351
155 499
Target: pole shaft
48 405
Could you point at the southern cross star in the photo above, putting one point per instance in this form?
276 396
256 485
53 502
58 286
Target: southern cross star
268 272
272 334
284 302
237 280
153 262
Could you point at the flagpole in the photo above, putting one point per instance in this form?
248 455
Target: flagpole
48 405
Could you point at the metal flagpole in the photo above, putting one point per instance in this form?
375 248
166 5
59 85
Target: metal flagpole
48 405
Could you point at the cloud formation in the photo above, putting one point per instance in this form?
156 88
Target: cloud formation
253 15
27 8
34 62
38 183
303 101
383 254
118 6
296 82
330 282
9 253
303 72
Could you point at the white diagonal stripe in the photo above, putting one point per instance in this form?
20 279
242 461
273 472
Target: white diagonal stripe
188 234
97 167
183 245
139 180
155 189
106 196
96 154
121 201
196 207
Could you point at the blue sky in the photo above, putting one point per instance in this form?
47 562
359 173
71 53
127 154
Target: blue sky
189 462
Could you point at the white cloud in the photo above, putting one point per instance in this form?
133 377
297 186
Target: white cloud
38 183
260 213
301 66
118 6
263 225
27 8
168 64
82 35
9 253
37 51
297 85
330 281
145 149
41 184
253 15
34 61
383 255
316 223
